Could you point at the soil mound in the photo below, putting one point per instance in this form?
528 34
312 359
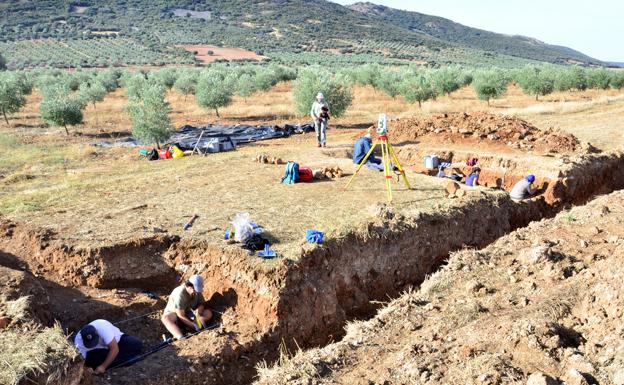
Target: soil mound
512 131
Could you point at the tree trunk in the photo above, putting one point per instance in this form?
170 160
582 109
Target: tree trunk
536 97
185 95
217 111
66 130
488 101
157 145
5 117
419 105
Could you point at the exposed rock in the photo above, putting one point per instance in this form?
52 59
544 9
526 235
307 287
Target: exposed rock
541 379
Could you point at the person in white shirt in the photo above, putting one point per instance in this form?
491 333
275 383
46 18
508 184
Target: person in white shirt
320 114
102 346
523 189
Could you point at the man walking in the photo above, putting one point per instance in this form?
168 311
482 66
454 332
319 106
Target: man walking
102 345
320 114
183 300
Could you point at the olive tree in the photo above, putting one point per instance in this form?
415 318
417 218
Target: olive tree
389 82
536 81
150 114
11 96
336 89
489 84
245 86
446 80
214 90
167 77
92 92
60 108
617 79
417 88
186 83
598 78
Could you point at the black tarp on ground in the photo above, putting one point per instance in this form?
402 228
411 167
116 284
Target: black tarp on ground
218 138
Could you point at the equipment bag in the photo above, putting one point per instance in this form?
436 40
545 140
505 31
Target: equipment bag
291 175
153 155
305 174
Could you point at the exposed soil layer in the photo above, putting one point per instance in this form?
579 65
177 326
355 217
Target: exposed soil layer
542 303
264 304
487 128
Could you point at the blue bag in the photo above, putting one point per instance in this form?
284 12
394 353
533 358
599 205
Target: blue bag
292 173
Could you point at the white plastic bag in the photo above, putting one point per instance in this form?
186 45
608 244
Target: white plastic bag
242 227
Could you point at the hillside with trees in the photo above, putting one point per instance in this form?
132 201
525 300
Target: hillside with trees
139 32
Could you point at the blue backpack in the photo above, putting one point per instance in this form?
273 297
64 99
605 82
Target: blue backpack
292 173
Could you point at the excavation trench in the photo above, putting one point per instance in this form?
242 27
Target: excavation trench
301 303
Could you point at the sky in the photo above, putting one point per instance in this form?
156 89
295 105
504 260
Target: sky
595 27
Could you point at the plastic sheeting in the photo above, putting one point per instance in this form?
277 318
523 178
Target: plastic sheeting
216 138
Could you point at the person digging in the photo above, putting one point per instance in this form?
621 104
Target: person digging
102 345
185 302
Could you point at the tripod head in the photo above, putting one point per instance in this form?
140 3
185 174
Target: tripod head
382 125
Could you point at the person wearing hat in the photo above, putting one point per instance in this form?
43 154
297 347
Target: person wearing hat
361 148
523 189
102 345
473 178
183 300
320 114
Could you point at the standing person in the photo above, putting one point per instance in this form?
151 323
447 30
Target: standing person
523 189
102 345
320 114
473 178
183 300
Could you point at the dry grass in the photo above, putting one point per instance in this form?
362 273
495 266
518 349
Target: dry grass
30 352
33 354
14 309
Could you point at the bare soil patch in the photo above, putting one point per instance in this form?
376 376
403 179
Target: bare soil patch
545 299
220 53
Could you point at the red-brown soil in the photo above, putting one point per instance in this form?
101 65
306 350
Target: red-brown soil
220 53
477 128
544 301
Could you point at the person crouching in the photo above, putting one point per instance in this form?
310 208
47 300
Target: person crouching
183 301
102 345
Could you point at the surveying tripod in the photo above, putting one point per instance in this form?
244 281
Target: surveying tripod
387 157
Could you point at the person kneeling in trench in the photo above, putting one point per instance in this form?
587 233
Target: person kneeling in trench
102 346
183 300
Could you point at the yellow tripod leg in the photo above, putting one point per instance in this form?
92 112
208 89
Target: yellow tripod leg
385 158
361 164
398 164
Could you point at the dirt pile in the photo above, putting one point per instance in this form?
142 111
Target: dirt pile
484 127
543 304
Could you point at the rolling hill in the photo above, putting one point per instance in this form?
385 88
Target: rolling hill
141 32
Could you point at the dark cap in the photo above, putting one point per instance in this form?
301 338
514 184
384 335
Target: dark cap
90 337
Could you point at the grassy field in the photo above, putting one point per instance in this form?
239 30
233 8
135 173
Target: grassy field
91 195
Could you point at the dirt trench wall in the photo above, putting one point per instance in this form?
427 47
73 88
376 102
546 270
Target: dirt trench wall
337 282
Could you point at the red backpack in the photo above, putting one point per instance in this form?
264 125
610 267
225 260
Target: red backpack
305 174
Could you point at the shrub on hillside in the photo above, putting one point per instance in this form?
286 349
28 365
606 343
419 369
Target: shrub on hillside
336 89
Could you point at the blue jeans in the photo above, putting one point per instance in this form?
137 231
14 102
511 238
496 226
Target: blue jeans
320 126
129 347
374 163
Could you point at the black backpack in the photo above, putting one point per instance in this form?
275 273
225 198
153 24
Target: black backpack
153 155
